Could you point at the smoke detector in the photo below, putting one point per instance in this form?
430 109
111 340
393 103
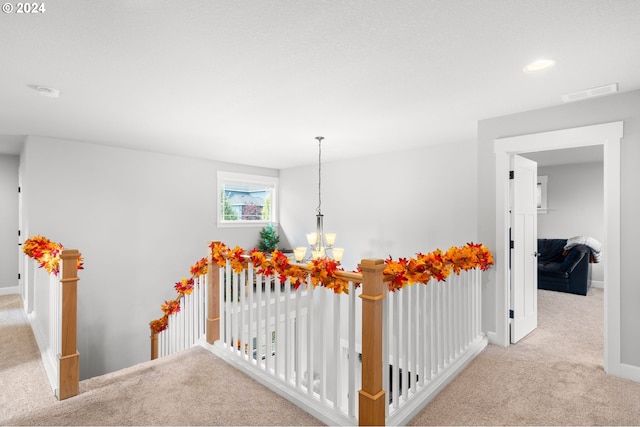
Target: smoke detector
590 93
46 91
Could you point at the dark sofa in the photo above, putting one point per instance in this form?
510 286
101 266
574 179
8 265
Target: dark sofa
560 270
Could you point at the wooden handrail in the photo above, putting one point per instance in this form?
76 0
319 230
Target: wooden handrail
69 359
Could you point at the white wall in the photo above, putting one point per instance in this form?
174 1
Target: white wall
620 107
8 221
576 205
395 204
139 219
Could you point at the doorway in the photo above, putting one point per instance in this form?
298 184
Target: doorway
574 189
608 135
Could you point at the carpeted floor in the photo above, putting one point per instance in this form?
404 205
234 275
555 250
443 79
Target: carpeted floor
23 381
193 387
554 376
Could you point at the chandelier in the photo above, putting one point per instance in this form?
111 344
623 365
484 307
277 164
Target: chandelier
321 243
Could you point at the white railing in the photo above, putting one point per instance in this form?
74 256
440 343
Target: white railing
46 319
301 342
187 327
53 319
432 332
306 344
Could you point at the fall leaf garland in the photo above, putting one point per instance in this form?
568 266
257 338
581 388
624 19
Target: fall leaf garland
436 265
183 287
46 253
322 271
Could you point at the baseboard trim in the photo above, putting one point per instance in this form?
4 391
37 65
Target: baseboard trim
10 290
493 339
597 284
630 372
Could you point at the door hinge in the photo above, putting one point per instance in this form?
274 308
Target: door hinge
510 314
18 276
18 233
511 174
19 189
511 244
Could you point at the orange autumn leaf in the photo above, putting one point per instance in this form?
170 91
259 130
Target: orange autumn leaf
171 307
185 286
160 324
200 268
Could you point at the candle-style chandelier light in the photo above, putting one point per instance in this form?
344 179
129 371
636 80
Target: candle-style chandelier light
321 243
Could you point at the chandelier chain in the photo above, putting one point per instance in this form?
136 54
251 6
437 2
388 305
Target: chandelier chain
319 208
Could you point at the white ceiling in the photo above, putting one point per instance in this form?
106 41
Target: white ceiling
255 81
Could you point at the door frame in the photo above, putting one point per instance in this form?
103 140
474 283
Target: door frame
608 135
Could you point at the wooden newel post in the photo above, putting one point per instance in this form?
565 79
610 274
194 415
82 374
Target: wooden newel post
213 303
372 397
69 358
154 344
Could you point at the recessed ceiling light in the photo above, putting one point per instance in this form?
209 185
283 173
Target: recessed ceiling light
46 91
539 65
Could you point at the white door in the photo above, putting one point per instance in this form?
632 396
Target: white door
523 275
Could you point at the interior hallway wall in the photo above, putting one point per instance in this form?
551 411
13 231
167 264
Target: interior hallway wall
139 219
394 204
620 107
8 221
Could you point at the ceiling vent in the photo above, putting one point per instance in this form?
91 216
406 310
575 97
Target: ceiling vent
590 93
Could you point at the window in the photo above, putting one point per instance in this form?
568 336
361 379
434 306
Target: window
541 194
246 199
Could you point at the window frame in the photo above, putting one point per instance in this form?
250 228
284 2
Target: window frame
226 178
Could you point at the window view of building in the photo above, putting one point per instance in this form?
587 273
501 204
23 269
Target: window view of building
245 198
242 203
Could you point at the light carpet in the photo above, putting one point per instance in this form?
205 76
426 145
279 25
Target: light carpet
193 387
554 376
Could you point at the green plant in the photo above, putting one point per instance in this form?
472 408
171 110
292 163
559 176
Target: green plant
228 213
269 239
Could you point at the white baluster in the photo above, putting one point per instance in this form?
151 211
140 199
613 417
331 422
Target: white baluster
310 338
268 362
242 287
254 284
322 326
353 356
299 353
415 339
422 339
337 363
227 303
288 341
395 351
404 356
